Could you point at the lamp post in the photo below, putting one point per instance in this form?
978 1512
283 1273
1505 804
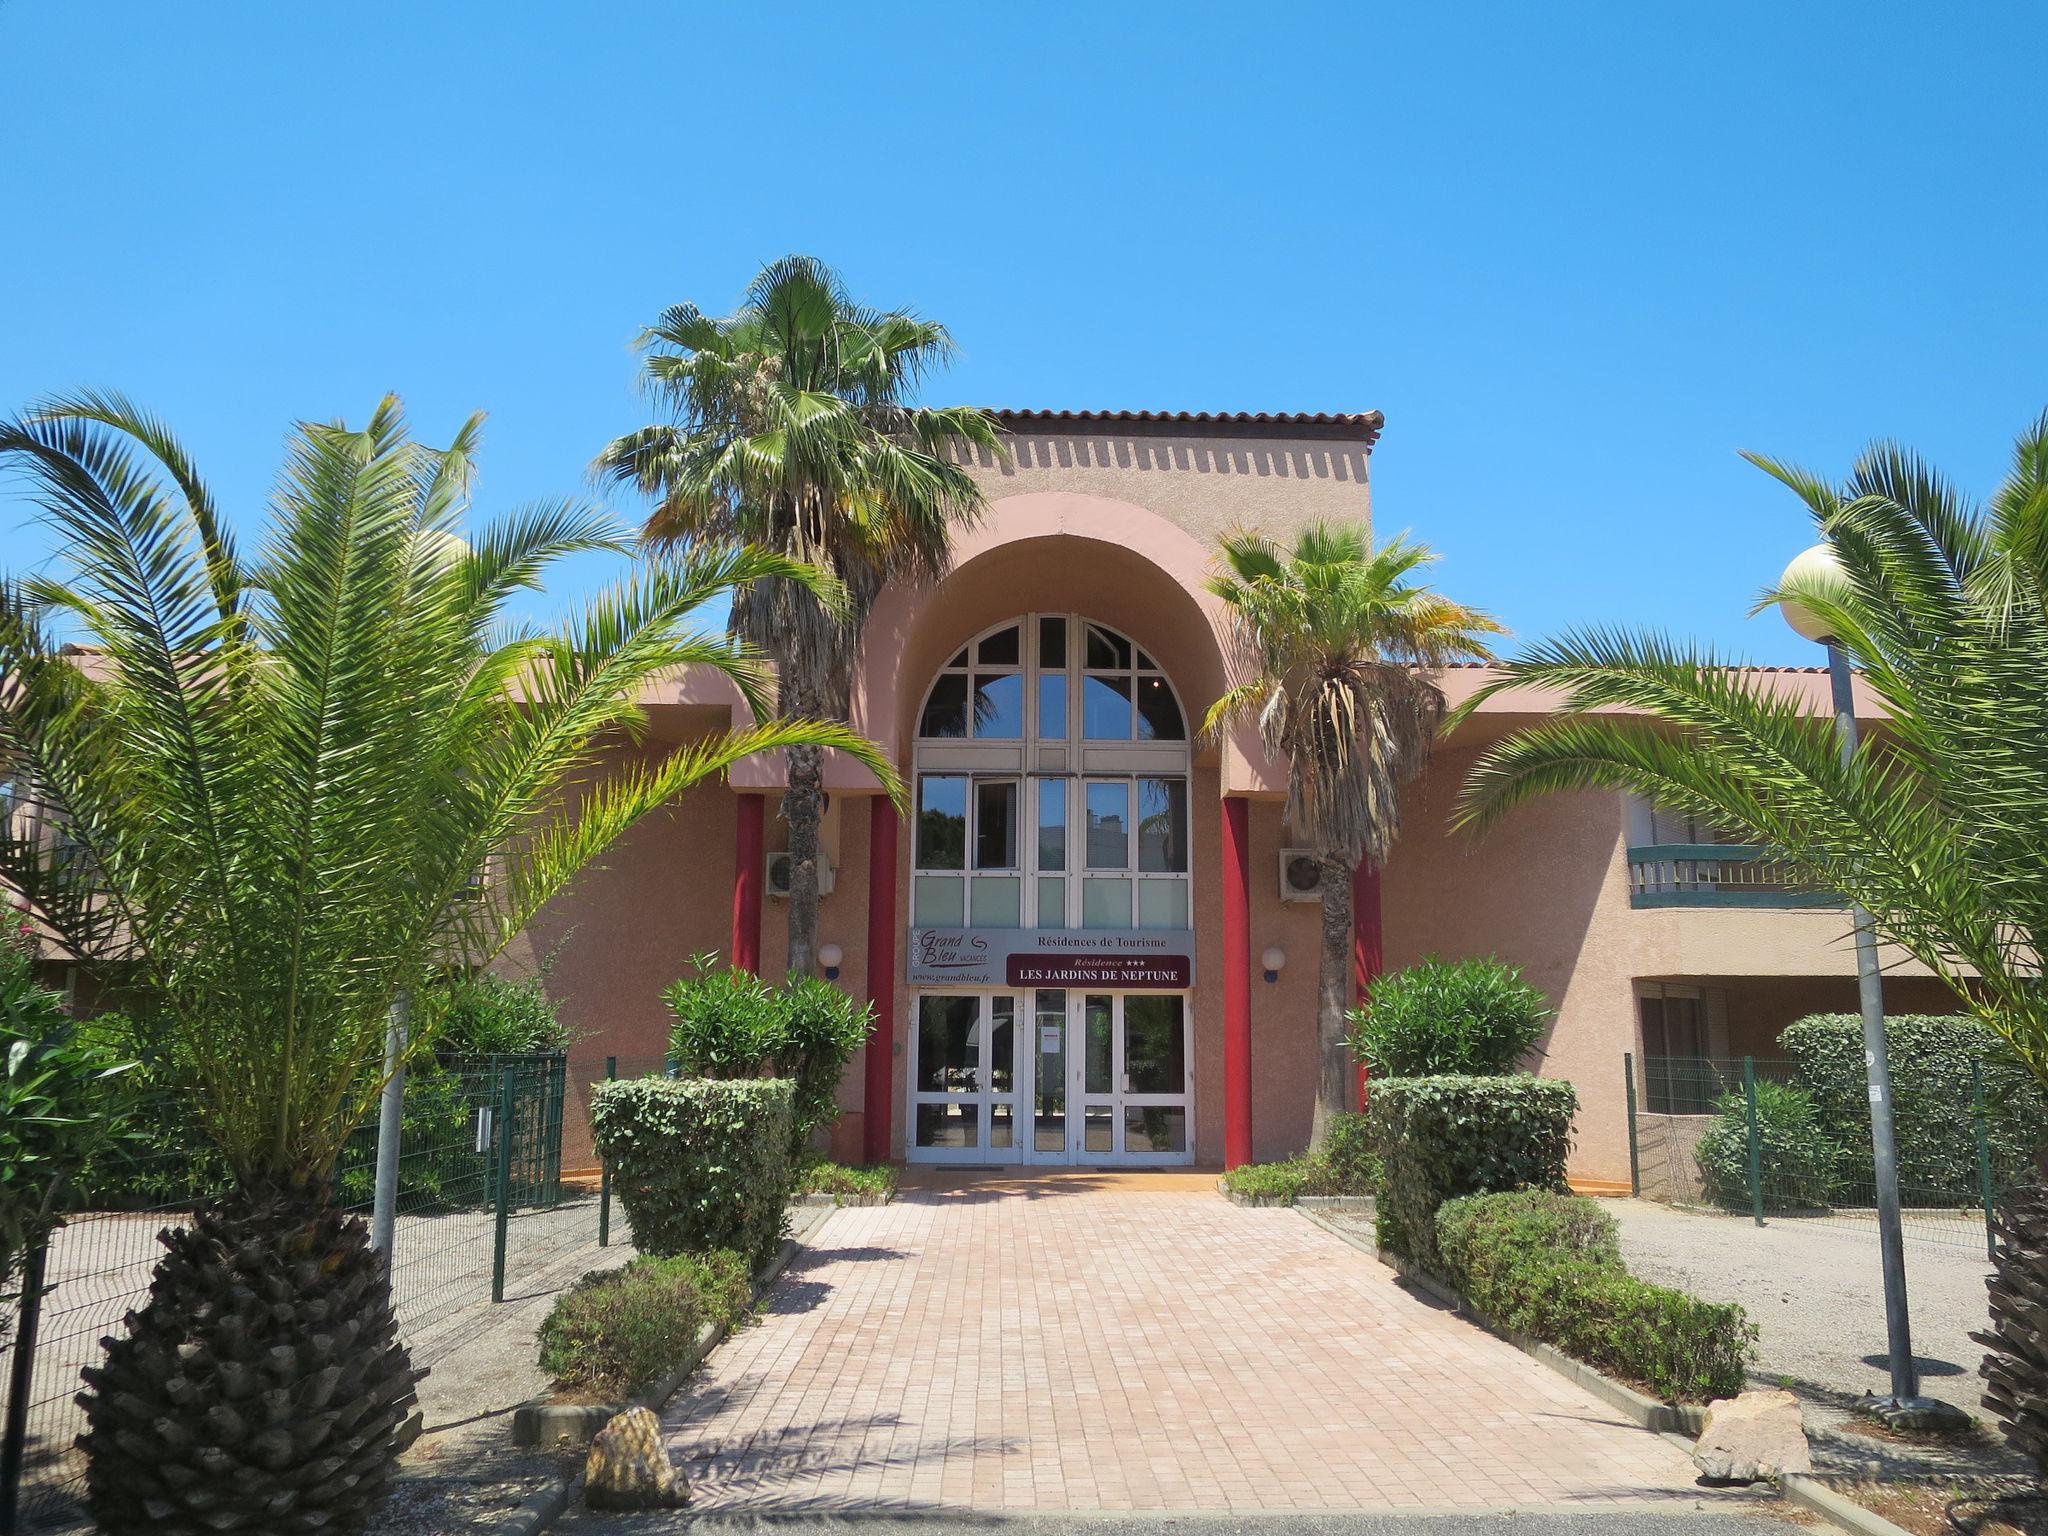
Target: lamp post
1904 1406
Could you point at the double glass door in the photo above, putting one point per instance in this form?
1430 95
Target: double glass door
1051 1076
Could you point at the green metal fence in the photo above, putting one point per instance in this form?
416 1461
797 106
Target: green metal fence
480 1198
1747 1135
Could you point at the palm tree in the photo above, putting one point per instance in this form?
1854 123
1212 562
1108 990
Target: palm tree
1340 647
1938 827
286 791
791 431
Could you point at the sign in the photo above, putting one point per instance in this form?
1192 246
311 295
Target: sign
1049 1039
1122 959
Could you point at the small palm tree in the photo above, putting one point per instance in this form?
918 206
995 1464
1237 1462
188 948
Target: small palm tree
1938 826
283 792
1340 647
792 431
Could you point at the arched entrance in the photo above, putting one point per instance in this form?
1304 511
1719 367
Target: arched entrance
1051 945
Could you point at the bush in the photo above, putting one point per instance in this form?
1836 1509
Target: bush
616 1330
438 1163
486 1014
1441 1137
1797 1158
731 1024
1931 1103
1347 1165
1549 1266
817 1175
698 1164
1474 1018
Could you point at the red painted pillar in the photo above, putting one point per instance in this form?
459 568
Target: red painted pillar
877 1099
1237 982
1368 955
746 883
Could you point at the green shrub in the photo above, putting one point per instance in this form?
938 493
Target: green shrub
1441 1137
486 1014
438 1165
1474 1018
1549 1266
1931 1102
1347 1165
731 1024
821 1176
697 1163
616 1330
1796 1156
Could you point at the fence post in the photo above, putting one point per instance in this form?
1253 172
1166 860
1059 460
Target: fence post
1978 1118
1635 1156
1756 1146
604 1174
508 1077
14 1437
390 1128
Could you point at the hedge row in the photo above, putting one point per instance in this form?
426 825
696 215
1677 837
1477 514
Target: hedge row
614 1331
1549 1265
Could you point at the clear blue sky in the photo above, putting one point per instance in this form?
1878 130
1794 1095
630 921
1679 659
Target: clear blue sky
1579 254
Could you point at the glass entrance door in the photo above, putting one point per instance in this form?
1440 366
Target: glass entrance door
1136 1078
963 1087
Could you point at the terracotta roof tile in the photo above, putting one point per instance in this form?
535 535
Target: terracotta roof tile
1360 426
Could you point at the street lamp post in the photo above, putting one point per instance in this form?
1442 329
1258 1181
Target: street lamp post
1904 1406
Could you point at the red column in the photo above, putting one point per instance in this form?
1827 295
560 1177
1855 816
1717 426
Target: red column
877 1100
1237 982
746 883
1367 949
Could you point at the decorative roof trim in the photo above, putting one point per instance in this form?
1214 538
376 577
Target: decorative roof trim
1359 426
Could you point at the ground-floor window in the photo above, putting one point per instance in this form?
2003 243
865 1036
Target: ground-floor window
1052 1076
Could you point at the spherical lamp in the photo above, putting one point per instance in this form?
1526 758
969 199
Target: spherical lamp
1272 960
829 956
1817 570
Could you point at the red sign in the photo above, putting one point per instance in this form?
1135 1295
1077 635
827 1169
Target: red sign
1164 973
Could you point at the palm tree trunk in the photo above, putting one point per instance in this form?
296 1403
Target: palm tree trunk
803 809
1334 1067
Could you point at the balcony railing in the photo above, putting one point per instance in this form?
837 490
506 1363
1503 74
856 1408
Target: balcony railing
1716 875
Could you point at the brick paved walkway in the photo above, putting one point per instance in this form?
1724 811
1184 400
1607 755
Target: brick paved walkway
1070 1346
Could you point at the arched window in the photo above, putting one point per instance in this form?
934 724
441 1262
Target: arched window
1052 784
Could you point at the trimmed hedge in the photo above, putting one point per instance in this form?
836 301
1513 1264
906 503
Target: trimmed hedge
1930 1061
698 1163
1442 1137
1549 1266
1473 1017
616 1330
1797 1159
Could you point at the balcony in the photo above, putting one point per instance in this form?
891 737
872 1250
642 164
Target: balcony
1716 875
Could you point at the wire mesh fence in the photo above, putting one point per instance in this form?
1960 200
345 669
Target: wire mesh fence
481 1204
1763 1137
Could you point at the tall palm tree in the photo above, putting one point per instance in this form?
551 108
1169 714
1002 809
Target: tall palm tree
791 429
287 790
1938 827
1340 648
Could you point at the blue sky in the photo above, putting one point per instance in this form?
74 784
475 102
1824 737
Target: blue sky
1579 254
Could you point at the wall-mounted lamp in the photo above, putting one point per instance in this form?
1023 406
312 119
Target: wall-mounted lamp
829 956
1272 960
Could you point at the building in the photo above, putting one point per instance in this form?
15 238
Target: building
1090 941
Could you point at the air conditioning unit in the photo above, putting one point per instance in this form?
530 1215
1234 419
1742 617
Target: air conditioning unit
778 874
1301 875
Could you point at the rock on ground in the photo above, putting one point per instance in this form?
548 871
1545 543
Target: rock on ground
1757 1435
628 1466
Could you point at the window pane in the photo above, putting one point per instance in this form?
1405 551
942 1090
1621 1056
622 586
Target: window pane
1002 1123
948 1125
1105 708
995 901
1155 1044
995 824
1147 664
1000 648
1052 706
1106 901
1158 715
999 706
1162 904
1002 1049
1096 1128
1095 1069
1052 643
1052 823
941 822
938 901
1163 825
948 1045
958 661
1155 1128
1052 901
945 711
1109 826
1106 650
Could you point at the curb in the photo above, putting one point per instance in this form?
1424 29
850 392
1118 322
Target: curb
1811 1494
1647 1412
542 1509
818 1202
1360 1203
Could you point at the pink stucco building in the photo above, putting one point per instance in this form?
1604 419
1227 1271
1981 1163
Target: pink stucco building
1066 939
